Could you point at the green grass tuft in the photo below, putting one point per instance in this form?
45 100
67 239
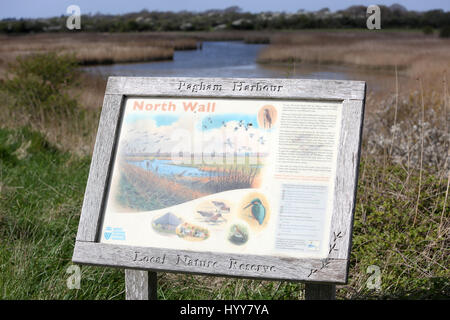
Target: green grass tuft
41 192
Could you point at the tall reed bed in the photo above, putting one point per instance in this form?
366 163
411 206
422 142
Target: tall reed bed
145 190
96 48
230 178
41 91
362 49
402 218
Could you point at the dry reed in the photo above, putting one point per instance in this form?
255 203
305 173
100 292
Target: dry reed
96 48
409 130
411 51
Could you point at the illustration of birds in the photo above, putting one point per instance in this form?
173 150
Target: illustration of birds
221 206
237 232
207 214
267 119
215 217
258 210
211 216
229 143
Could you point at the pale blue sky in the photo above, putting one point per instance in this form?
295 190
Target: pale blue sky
50 8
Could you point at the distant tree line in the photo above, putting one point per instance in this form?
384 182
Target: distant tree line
233 18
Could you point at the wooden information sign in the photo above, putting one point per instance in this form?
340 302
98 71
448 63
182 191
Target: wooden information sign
250 178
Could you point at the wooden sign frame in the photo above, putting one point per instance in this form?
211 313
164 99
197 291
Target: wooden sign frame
331 270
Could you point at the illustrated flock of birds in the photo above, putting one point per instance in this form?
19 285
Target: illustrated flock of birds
238 233
144 142
241 125
216 214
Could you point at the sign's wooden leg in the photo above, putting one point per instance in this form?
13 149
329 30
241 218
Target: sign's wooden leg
140 285
315 291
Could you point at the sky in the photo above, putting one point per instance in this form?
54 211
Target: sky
149 133
50 8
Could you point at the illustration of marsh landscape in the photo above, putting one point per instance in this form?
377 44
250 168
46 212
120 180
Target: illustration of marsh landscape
165 160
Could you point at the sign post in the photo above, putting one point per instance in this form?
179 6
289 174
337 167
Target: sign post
252 178
140 285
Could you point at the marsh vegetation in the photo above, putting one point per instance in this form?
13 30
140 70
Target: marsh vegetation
402 217
147 189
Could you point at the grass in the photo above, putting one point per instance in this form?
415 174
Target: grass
401 221
41 196
413 257
385 49
108 48
412 51
96 48
145 190
39 213
40 201
230 178
77 137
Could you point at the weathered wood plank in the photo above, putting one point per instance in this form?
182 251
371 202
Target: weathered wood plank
102 159
290 88
346 179
333 269
208 263
140 285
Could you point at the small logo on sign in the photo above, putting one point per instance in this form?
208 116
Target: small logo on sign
313 245
114 233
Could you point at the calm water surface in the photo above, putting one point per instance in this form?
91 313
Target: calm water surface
232 59
166 168
238 59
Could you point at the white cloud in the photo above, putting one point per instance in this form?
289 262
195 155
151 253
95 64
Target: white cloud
143 136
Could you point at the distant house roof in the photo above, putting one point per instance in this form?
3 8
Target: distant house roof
168 219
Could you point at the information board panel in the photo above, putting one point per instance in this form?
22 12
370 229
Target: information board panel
252 178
